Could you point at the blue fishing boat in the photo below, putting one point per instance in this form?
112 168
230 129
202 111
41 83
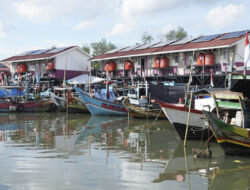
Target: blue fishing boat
102 103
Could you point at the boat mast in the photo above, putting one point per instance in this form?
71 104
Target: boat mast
64 74
190 79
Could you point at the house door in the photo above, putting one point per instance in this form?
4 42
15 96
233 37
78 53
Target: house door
142 65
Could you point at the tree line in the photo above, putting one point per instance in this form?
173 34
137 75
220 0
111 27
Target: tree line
103 46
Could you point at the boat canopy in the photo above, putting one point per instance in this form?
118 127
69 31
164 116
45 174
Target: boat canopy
102 94
11 91
84 79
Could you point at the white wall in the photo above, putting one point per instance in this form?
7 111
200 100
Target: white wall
120 64
239 51
76 60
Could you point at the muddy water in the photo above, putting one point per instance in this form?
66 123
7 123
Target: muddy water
59 151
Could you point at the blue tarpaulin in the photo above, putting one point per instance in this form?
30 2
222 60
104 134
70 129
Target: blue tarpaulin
4 93
102 94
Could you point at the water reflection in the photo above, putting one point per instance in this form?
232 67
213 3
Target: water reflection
231 173
43 131
83 152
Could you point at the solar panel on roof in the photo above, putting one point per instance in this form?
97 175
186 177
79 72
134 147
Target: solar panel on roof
183 41
207 38
233 35
163 43
25 53
130 48
116 50
56 50
39 52
147 45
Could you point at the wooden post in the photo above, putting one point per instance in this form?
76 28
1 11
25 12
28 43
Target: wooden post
188 118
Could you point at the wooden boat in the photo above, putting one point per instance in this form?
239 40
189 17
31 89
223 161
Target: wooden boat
9 98
143 112
99 105
139 105
34 106
65 100
8 107
75 105
231 125
177 114
59 97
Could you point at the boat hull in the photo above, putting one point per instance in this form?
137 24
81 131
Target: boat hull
8 107
233 139
177 115
39 106
59 102
141 113
194 132
99 107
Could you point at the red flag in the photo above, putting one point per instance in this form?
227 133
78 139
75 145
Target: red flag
247 52
246 40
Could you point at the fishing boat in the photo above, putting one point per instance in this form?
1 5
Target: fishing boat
231 124
143 112
66 100
34 106
177 114
138 103
9 98
103 102
59 97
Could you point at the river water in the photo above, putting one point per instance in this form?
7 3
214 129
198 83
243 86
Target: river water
60 151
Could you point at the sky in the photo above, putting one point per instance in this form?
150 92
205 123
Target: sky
38 24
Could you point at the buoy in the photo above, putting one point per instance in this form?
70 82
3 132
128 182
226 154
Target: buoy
156 63
163 63
21 68
110 66
50 66
129 65
201 60
209 59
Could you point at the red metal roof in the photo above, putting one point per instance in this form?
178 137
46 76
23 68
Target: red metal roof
217 42
34 57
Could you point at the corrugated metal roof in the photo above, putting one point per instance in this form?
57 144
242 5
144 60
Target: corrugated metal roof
23 56
189 46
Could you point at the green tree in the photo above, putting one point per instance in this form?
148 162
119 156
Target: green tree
53 47
86 49
147 38
102 47
177 34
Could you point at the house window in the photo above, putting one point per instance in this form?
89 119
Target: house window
176 58
195 57
224 54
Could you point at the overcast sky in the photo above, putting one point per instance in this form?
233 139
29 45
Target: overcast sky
37 24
